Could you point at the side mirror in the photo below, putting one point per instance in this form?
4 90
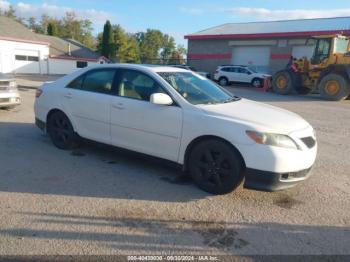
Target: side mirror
161 99
249 73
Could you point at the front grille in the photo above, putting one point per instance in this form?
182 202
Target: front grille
3 88
4 83
4 100
309 141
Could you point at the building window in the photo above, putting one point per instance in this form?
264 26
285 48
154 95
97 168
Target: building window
21 57
27 58
33 58
81 64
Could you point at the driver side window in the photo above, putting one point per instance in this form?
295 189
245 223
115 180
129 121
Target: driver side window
136 85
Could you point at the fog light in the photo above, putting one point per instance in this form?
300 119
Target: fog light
285 176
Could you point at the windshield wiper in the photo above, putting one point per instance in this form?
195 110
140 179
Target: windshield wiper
232 99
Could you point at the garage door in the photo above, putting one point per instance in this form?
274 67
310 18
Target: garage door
300 51
26 62
256 57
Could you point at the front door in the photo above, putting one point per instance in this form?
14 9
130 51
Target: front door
139 125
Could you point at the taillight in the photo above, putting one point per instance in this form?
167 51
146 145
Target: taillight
38 93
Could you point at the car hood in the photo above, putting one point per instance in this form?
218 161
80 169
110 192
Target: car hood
262 75
258 116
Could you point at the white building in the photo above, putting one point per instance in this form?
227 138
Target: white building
25 52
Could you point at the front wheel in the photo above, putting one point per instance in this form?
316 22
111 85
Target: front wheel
334 87
282 83
61 131
215 167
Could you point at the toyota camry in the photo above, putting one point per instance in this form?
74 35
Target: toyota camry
220 139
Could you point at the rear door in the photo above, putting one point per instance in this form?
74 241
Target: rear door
244 75
87 100
230 73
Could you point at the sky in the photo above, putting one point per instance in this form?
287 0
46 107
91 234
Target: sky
179 17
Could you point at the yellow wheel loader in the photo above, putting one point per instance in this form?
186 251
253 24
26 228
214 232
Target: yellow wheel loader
328 71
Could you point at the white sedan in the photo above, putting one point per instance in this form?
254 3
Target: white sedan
178 115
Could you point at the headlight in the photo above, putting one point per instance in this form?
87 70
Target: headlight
272 139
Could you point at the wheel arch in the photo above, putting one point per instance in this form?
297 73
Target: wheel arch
224 77
202 138
343 70
53 110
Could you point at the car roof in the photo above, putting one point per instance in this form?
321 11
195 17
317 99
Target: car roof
233 66
141 67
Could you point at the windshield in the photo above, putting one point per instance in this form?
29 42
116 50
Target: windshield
322 50
252 69
196 89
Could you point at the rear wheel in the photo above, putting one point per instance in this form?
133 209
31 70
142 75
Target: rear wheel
61 131
257 82
215 166
282 83
334 87
223 81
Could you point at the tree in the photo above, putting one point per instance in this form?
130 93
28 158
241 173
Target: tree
150 43
11 13
52 29
168 48
108 44
178 55
132 52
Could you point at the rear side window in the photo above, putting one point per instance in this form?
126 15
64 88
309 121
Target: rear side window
243 70
99 81
225 69
76 83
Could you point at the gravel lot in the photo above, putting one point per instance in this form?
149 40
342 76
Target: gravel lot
100 200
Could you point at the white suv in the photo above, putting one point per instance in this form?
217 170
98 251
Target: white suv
240 74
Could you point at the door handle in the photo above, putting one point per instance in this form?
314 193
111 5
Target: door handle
119 106
68 95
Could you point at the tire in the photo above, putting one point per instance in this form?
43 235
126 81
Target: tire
334 87
257 83
215 167
223 81
61 131
282 83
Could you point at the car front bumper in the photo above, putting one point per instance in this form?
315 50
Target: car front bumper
9 99
270 181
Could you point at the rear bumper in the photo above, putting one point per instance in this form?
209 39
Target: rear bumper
270 181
